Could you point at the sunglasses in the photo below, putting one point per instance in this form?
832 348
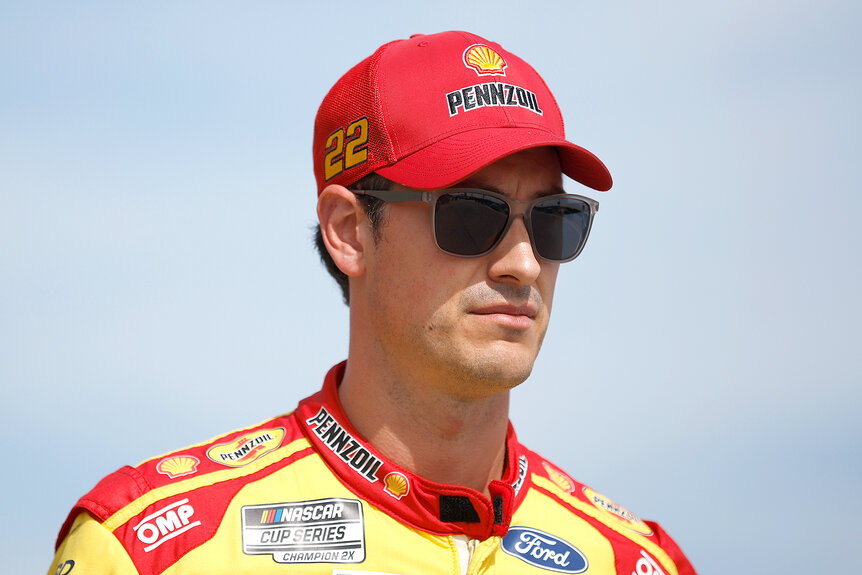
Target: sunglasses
470 223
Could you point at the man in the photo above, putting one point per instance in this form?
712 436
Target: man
439 163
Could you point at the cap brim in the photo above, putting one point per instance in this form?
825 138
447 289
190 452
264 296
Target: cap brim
448 161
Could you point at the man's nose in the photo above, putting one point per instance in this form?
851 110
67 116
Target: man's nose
514 260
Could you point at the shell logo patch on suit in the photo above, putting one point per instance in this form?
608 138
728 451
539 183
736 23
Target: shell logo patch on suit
246 448
178 466
544 550
562 480
396 484
484 60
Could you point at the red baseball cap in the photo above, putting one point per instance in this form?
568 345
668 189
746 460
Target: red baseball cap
430 111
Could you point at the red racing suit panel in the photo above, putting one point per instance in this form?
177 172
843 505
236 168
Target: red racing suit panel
305 493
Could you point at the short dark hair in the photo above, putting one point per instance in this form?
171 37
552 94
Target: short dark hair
373 209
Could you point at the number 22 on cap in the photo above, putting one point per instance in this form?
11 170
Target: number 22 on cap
346 148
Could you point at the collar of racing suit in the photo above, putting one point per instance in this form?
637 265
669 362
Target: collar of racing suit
426 505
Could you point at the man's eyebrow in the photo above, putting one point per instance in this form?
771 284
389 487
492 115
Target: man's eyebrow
551 191
539 194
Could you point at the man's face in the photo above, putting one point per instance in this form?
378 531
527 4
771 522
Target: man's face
473 325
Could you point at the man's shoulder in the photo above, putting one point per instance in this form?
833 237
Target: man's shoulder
641 543
225 462
558 484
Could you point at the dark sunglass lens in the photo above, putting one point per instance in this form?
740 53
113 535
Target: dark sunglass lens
560 227
469 223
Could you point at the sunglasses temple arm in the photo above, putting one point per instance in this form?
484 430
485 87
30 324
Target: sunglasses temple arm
396 195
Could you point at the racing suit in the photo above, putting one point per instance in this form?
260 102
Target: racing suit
304 493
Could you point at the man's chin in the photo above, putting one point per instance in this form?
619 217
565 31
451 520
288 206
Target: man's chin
496 370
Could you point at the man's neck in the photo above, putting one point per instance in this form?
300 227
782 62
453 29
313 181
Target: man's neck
448 439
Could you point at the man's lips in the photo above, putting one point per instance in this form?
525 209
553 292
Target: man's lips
507 309
513 316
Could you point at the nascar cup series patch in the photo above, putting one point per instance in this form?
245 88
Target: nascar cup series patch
324 530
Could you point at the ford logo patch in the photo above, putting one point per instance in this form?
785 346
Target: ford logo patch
544 550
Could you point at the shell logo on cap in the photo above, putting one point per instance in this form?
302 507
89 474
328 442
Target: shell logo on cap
484 61
178 466
396 485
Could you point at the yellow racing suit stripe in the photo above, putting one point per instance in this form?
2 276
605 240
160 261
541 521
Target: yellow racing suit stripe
591 511
150 497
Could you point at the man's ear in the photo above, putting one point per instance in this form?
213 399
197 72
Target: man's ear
344 227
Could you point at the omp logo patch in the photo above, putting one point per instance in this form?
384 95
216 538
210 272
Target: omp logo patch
246 448
631 520
646 565
165 524
544 550
324 530
342 444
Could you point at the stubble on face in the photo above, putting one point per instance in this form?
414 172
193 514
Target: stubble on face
504 356
469 360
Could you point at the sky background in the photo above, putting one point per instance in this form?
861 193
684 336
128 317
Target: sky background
158 284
